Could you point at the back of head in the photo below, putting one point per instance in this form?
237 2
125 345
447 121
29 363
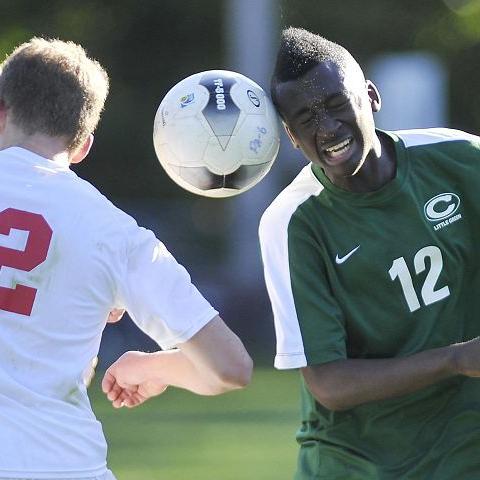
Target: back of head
51 87
301 50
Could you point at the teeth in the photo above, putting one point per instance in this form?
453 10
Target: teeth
339 146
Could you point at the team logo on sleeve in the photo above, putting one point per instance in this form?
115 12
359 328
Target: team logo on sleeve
442 209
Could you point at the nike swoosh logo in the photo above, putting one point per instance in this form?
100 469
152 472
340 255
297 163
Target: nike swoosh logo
340 260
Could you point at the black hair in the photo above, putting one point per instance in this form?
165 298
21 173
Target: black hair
300 51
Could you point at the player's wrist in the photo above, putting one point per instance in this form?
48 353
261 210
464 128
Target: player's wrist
465 358
453 362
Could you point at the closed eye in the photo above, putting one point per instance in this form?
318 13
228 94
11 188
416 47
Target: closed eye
337 101
338 105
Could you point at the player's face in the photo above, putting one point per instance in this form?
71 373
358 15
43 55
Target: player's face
328 113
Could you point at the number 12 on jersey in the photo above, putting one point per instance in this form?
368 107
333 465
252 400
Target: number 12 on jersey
429 293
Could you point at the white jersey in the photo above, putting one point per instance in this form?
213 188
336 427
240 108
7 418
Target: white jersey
67 257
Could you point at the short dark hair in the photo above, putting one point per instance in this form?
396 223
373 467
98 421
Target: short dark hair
300 51
53 88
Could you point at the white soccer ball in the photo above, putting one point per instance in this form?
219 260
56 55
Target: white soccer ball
216 133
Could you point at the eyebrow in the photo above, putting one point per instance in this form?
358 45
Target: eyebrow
327 99
333 96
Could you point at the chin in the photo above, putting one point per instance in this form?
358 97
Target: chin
347 168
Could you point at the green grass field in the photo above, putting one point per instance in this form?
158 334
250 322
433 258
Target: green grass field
247 434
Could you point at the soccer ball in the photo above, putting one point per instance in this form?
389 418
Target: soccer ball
216 133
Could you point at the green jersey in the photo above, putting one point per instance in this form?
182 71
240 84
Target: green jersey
379 275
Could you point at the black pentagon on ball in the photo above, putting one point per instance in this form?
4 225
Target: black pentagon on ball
223 117
244 176
203 179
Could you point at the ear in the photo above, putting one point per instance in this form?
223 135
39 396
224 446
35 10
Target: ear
290 136
82 152
374 96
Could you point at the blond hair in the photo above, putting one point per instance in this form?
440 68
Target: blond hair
52 87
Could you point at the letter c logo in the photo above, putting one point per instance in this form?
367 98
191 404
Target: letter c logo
441 206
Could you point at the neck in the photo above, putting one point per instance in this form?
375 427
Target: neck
52 148
378 168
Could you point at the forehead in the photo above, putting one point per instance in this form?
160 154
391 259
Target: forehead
319 83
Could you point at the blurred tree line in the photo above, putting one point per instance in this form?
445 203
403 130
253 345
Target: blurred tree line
149 45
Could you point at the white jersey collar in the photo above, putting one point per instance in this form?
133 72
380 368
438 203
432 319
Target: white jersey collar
27 155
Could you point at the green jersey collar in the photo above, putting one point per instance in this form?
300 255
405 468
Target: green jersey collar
378 196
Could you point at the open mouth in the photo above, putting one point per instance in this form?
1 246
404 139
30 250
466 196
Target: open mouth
339 150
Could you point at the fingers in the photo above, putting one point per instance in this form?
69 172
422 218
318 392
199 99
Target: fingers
121 396
110 387
131 399
107 382
128 398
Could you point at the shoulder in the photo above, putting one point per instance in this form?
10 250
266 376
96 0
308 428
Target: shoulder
95 205
86 192
101 222
431 136
277 216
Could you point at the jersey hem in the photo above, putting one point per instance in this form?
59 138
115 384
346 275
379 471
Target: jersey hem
49 475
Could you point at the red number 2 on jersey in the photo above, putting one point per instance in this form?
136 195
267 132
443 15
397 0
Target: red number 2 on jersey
20 298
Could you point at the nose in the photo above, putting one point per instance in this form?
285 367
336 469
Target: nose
327 126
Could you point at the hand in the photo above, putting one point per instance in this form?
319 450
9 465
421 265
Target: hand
115 315
126 382
467 357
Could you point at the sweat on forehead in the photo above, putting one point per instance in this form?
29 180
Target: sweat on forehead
318 85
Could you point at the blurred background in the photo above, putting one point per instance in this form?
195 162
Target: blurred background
424 56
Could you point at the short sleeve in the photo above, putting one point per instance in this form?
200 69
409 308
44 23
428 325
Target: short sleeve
321 321
158 293
309 325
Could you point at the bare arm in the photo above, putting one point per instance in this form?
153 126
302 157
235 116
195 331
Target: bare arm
344 384
213 361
